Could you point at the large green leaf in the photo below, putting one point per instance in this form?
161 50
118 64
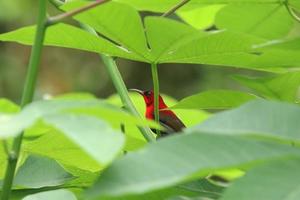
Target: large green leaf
111 19
294 4
214 99
68 36
57 146
39 172
164 5
7 106
282 87
270 21
40 109
61 194
176 159
200 18
276 181
92 135
201 188
165 36
260 117
182 44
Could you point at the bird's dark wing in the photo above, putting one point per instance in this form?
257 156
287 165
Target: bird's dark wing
171 123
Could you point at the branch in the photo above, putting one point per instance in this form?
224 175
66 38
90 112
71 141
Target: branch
176 7
59 18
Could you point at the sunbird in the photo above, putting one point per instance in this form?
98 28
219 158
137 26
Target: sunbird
167 118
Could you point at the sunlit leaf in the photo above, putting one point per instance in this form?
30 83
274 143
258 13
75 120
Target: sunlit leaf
214 99
55 145
200 18
270 21
69 37
164 5
7 106
283 87
92 135
128 35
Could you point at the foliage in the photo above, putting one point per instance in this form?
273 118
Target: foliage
79 147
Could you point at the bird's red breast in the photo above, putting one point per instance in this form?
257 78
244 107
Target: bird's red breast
167 118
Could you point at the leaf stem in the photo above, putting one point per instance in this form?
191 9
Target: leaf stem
115 75
27 97
176 7
291 11
59 18
156 94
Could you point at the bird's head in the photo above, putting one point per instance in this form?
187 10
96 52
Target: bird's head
148 96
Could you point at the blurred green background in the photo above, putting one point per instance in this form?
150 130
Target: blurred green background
67 70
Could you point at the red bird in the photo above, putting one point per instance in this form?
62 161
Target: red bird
167 118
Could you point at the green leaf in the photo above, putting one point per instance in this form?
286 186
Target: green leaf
38 172
7 106
61 194
165 35
200 18
93 107
164 5
68 36
283 87
270 21
92 135
294 4
111 19
263 118
55 145
277 181
176 159
201 188
214 99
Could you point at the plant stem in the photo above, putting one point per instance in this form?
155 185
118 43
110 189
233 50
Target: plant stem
115 75
120 86
156 93
59 18
176 7
291 11
27 97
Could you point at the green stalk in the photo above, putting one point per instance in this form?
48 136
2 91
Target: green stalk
175 8
27 97
156 94
120 86
115 75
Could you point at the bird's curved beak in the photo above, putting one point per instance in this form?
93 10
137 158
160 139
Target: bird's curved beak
136 90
